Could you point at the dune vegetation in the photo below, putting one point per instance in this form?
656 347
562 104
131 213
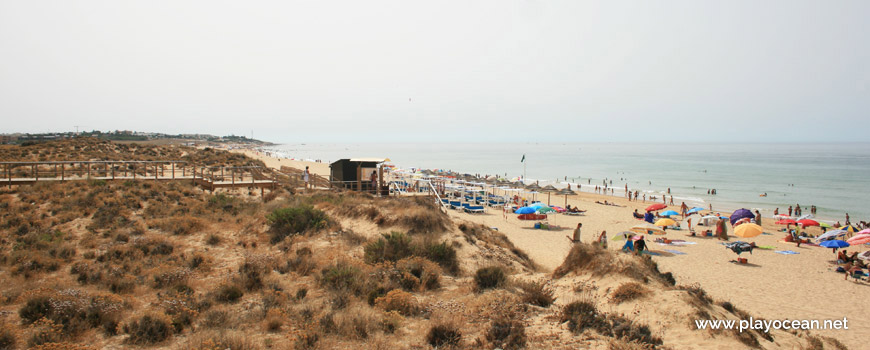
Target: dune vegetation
130 264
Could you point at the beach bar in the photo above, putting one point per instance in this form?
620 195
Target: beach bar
356 174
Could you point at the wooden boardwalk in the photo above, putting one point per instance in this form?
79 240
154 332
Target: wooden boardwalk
208 177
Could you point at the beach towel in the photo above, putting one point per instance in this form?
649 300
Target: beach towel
786 252
766 247
683 243
675 252
650 252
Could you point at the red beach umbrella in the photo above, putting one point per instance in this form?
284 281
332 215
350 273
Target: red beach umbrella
786 222
657 206
808 222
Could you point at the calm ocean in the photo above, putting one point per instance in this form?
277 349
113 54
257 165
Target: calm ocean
833 177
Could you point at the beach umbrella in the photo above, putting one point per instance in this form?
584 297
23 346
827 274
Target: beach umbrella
825 225
859 239
566 192
548 190
808 222
831 234
657 206
647 229
525 210
864 231
622 235
558 209
850 228
786 222
747 230
834 243
669 213
545 209
694 210
864 256
533 187
740 214
538 205
665 222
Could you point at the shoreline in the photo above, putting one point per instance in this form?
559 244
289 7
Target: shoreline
724 206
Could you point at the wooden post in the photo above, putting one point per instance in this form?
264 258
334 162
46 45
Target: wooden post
233 173
62 175
359 177
222 173
113 170
134 171
89 170
380 179
173 170
155 171
36 171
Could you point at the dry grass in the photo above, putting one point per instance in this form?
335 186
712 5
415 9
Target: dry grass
588 258
628 292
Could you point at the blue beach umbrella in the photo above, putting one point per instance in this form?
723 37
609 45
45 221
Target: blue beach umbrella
695 210
835 243
538 205
669 213
525 210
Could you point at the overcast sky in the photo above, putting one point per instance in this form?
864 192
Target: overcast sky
514 71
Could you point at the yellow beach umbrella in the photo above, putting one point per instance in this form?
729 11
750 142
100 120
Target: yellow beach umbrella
665 222
747 230
647 229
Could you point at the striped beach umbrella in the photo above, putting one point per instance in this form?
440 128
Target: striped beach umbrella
859 239
849 228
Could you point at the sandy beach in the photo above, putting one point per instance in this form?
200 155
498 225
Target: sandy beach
771 286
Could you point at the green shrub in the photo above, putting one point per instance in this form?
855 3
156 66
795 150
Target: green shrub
443 254
490 277
295 220
341 276
392 246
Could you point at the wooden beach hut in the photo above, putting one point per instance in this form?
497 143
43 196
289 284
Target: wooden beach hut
356 174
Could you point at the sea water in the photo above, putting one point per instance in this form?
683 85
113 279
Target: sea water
833 177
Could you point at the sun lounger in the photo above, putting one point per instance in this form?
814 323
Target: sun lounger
472 208
574 213
456 204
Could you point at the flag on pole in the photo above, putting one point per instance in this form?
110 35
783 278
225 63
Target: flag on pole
524 158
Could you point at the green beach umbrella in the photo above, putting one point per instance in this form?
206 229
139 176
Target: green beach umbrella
544 210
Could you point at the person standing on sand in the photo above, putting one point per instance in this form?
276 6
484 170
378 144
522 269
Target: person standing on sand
576 238
644 197
776 212
684 209
721 229
672 200
602 239
305 176
847 219
757 218
789 210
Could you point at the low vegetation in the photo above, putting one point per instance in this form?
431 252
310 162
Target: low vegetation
143 264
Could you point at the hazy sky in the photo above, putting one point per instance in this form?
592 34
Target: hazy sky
327 71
